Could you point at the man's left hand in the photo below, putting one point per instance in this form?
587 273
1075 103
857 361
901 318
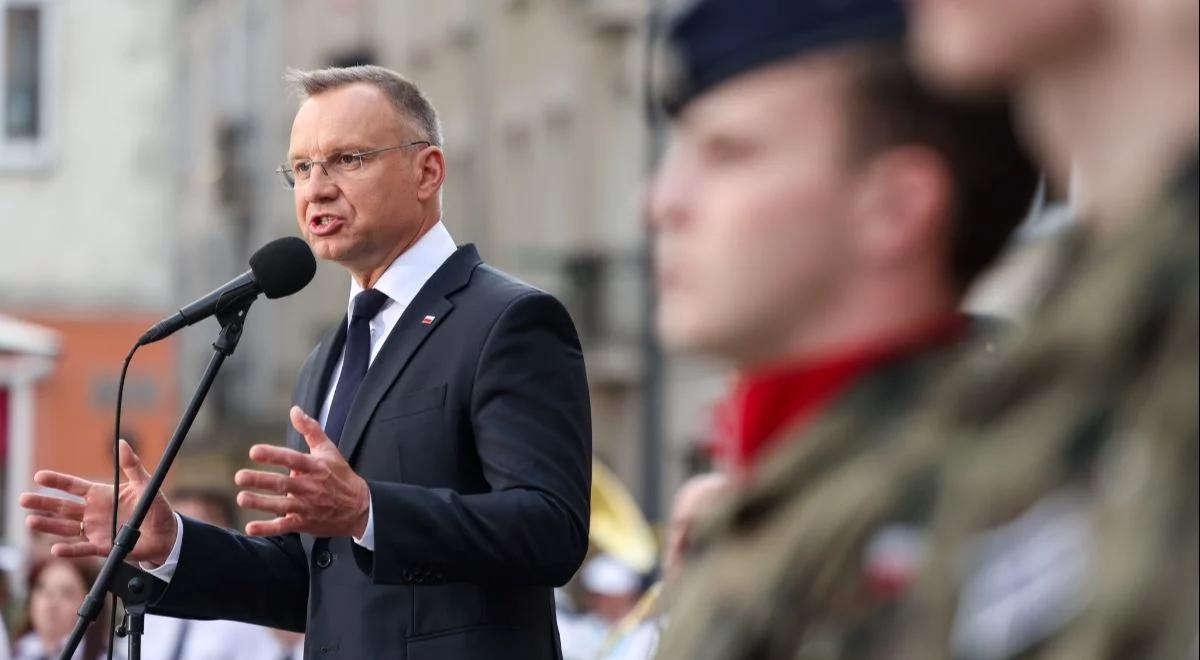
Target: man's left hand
320 495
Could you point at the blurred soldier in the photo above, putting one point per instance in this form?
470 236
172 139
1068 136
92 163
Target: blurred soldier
818 217
1067 526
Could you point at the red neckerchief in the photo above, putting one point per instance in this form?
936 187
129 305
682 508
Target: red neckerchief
766 401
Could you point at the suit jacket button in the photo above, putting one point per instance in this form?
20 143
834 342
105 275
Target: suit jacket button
324 559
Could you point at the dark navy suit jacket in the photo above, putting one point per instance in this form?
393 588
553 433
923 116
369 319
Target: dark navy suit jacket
474 434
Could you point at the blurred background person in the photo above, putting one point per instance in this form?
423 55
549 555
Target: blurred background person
56 591
10 561
1068 522
289 645
168 638
636 635
818 217
610 590
694 502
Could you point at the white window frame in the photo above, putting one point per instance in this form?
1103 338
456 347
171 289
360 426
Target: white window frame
26 155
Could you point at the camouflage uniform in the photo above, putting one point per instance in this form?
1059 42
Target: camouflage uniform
776 571
1102 400
1098 399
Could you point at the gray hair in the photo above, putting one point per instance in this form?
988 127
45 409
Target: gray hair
404 95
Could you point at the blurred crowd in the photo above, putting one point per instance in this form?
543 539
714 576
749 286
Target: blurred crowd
55 589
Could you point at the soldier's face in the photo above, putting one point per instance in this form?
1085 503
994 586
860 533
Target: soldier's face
991 45
749 209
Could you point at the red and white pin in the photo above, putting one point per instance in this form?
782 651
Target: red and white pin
428 320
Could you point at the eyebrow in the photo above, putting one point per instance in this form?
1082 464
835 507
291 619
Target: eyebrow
351 148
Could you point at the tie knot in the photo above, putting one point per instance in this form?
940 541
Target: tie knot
368 303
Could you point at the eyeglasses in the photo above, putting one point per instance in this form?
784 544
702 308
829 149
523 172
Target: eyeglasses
335 166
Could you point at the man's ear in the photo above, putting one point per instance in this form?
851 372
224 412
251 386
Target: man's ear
430 168
903 205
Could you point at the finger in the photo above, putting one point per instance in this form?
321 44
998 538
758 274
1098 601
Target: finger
64 482
272 482
310 428
82 549
274 527
283 457
278 505
52 505
53 526
131 465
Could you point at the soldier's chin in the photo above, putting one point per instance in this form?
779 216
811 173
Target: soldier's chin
680 332
672 329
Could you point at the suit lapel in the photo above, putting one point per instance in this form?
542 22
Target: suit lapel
427 311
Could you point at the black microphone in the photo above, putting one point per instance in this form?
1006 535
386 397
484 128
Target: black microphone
279 268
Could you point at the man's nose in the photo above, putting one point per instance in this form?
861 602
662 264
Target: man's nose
666 198
320 186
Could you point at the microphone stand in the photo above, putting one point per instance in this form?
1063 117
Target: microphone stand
137 588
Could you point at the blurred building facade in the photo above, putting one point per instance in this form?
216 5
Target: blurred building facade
87 197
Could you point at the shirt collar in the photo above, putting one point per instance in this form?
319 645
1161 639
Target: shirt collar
409 272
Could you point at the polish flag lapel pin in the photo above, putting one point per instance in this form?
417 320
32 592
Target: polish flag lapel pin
428 320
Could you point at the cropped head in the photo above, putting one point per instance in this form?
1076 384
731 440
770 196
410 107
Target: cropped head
1106 88
819 191
985 45
366 165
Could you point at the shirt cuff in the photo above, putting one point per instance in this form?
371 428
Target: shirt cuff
167 569
368 538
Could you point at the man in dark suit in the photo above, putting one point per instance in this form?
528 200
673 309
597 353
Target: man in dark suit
438 466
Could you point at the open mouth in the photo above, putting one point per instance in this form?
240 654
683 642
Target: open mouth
325 224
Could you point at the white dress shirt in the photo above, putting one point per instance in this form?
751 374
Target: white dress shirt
400 282
205 640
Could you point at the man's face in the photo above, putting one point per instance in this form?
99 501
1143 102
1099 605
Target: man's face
989 45
749 209
361 219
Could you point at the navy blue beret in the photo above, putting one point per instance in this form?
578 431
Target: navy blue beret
712 41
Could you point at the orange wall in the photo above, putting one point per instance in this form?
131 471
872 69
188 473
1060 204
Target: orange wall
75 404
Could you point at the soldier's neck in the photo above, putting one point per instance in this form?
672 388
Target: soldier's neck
1119 120
870 319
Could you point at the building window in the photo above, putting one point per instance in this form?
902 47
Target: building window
22 52
24 82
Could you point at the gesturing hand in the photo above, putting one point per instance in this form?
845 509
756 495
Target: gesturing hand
88 523
320 495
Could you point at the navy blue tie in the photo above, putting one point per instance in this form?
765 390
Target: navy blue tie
355 360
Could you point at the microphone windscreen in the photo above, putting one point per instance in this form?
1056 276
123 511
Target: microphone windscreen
283 266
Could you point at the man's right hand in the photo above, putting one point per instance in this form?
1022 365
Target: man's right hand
62 517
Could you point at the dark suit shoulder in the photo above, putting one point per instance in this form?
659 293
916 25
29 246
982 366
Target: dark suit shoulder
493 292
499 285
